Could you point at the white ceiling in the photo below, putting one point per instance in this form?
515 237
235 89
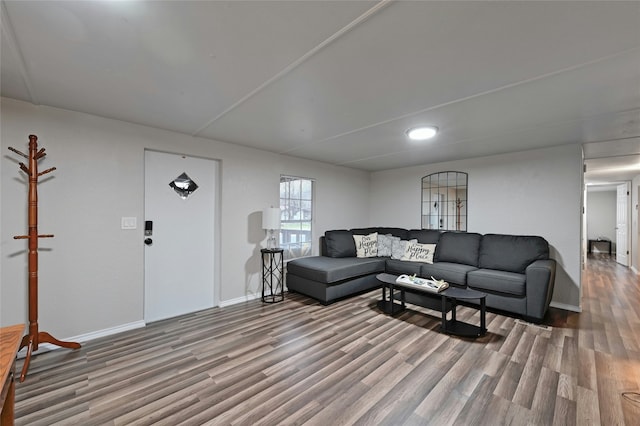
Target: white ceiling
341 81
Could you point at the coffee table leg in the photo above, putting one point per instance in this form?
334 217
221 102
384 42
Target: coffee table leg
391 298
444 313
483 320
453 309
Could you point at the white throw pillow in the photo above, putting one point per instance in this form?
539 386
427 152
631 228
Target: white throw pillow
384 245
399 246
366 245
416 252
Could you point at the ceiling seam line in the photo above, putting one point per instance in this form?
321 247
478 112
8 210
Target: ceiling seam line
513 151
344 30
545 124
633 154
455 101
9 32
626 138
505 133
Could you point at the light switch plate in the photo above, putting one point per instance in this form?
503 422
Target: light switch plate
129 223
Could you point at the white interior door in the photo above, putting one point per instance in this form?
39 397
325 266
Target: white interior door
179 249
622 224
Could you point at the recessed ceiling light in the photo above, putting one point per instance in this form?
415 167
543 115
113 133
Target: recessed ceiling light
422 133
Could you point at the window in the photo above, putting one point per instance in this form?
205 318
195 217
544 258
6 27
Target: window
296 205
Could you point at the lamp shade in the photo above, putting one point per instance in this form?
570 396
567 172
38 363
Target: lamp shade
271 218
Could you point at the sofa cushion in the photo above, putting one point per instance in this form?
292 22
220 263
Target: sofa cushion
453 273
416 252
458 247
497 282
363 231
340 243
396 232
425 236
399 267
325 269
366 245
511 253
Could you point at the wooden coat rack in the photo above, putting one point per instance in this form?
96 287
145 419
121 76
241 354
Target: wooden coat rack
35 337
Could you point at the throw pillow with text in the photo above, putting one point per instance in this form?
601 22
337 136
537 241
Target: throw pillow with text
366 245
416 252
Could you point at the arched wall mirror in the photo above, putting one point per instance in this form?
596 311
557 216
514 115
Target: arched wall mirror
444 201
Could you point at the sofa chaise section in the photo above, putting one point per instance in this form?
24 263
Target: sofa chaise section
338 273
327 278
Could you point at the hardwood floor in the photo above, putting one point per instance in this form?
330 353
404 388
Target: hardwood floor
299 362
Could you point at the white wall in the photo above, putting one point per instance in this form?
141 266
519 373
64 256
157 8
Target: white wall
91 273
529 193
601 217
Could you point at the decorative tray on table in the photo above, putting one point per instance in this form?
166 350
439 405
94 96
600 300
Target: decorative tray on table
431 285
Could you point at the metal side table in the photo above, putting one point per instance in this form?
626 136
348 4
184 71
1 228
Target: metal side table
272 275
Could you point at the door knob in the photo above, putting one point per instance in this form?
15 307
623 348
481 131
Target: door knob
148 241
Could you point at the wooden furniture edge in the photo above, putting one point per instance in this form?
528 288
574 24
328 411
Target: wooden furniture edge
10 340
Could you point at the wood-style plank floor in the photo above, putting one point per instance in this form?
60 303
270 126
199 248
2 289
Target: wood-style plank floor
299 362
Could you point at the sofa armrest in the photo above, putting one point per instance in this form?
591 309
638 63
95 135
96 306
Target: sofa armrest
540 280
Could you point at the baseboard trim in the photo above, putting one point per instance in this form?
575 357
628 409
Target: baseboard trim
633 268
46 347
237 300
566 307
242 299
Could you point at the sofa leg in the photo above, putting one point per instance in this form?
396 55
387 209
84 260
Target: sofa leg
532 319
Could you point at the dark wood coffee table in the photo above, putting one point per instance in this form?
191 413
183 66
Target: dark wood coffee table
389 306
449 299
459 328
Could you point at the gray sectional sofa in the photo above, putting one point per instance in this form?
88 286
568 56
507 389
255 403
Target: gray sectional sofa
515 271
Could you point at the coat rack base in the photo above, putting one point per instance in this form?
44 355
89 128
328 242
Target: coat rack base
31 342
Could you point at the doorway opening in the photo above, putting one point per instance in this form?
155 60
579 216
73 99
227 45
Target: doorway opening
607 222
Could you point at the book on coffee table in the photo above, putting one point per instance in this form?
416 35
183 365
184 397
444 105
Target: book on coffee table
431 285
